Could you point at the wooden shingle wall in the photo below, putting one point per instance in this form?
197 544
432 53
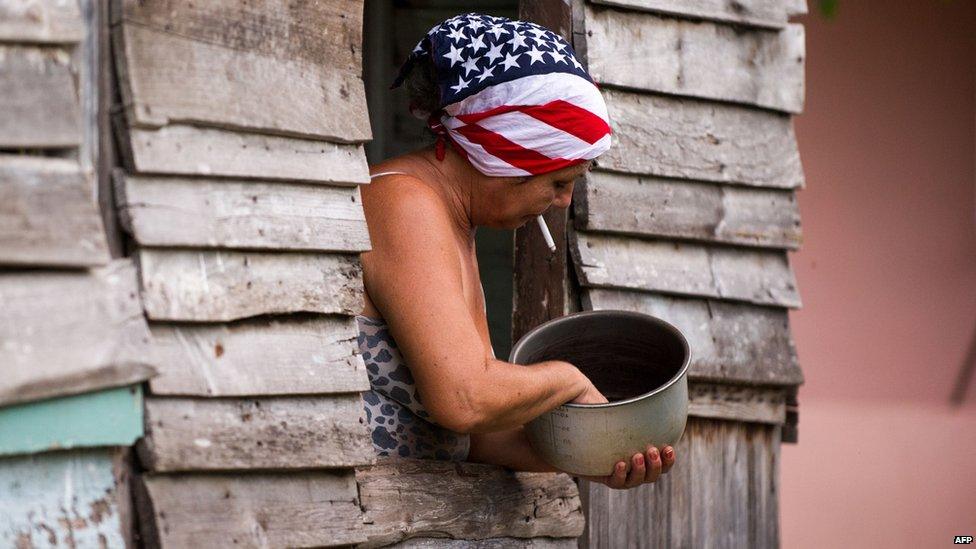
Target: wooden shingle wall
690 217
241 129
74 345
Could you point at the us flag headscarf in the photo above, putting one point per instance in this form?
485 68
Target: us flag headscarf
516 101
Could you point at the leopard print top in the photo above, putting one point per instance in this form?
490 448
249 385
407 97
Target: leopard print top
396 416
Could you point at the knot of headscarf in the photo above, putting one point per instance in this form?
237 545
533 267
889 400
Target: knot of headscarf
515 99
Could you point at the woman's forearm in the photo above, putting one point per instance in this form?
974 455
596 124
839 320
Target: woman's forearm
510 395
509 449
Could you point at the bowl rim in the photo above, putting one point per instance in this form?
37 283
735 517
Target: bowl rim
616 313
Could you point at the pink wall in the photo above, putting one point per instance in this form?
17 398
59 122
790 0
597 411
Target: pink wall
887 273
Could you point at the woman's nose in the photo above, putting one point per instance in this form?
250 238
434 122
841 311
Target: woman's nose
563 199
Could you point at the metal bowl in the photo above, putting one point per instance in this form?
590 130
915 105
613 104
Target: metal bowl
639 362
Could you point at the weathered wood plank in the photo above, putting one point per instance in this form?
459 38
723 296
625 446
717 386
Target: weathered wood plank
47 214
312 508
183 285
770 14
695 139
186 434
160 211
189 150
64 333
40 22
796 7
730 342
62 499
655 206
720 493
406 498
696 59
38 98
491 543
167 77
736 403
263 357
108 417
761 277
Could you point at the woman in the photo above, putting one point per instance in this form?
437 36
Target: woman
523 120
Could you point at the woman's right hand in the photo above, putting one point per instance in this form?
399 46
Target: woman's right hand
590 394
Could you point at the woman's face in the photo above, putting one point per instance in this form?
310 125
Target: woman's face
513 201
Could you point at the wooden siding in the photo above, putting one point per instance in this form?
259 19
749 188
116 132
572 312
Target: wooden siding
406 498
697 59
40 22
692 210
720 493
262 509
65 332
703 140
34 118
770 14
47 215
196 212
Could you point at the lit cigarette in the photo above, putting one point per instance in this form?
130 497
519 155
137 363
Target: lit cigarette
546 234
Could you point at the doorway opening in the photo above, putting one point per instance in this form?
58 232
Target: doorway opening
390 31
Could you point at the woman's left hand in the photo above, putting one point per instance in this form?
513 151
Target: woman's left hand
644 468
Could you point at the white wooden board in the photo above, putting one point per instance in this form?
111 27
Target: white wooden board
38 98
40 21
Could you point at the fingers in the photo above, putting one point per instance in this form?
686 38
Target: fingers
654 464
637 471
618 479
668 460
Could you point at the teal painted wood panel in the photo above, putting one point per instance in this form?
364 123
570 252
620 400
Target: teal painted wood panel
111 417
60 499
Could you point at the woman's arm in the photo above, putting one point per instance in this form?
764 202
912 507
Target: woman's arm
413 276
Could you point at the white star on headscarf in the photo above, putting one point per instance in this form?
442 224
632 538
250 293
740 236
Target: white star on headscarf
538 32
477 43
485 74
510 61
470 64
454 55
536 55
575 62
497 30
475 24
556 56
456 34
494 52
460 85
517 41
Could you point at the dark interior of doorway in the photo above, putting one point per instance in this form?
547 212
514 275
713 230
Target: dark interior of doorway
391 28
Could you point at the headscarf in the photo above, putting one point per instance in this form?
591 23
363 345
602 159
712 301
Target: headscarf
516 101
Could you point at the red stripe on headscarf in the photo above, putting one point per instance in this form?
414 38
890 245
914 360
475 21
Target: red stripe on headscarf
559 114
513 153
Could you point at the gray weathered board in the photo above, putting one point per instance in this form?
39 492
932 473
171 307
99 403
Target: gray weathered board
656 206
762 277
66 332
48 215
404 498
721 492
703 140
40 22
730 342
258 509
697 59
191 150
767 14
173 72
192 434
196 212
489 543
313 355
186 285
38 98
737 403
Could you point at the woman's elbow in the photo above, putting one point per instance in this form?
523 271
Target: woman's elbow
463 411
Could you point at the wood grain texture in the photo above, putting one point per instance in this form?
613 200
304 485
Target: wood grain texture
736 403
64 333
196 212
697 59
190 150
767 14
169 77
38 98
720 493
47 215
730 342
760 277
655 206
703 140
199 434
40 22
312 355
311 508
491 543
406 498
209 286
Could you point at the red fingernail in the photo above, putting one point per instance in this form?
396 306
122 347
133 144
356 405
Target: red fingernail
640 460
669 452
653 453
